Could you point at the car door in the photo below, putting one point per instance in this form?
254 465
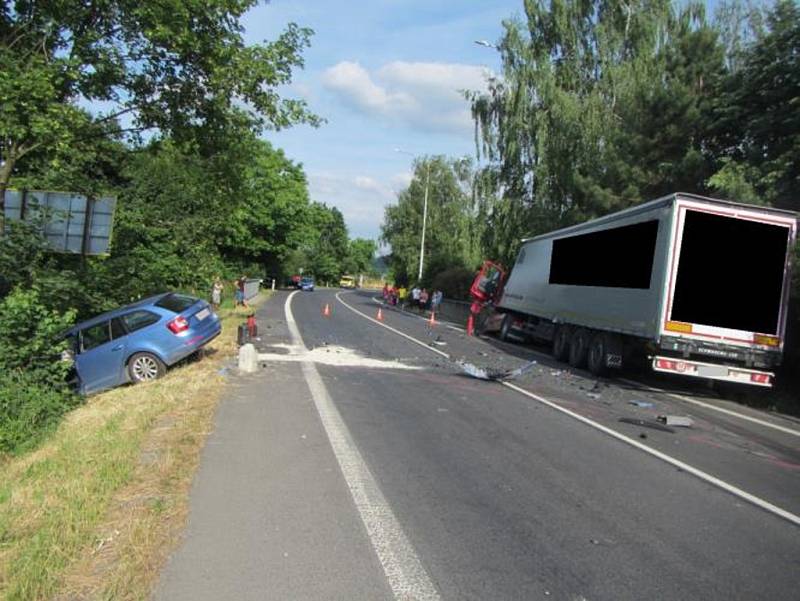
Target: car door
101 355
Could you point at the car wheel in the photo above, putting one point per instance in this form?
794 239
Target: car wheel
144 367
561 343
579 347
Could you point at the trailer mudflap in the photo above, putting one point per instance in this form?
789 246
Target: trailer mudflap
713 371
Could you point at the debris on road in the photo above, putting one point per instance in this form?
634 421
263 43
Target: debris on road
593 395
494 375
676 420
642 404
646 423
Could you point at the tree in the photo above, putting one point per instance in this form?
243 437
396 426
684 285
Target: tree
360 255
326 249
272 214
451 237
174 65
601 106
758 116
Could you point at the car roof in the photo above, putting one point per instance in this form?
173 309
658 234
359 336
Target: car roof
151 300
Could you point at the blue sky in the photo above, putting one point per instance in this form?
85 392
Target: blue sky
385 74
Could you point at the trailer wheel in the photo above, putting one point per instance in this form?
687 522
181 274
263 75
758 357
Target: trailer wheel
597 355
579 347
505 327
561 343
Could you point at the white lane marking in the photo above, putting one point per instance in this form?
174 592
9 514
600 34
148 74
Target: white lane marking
681 397
404 571
795 519
404 312
336 356
398 332
706 477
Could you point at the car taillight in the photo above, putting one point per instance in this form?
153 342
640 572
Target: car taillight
178 325
759 378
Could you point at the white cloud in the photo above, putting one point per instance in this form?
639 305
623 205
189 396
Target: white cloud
426 96
361 199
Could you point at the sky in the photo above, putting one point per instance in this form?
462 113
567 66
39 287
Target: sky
386 75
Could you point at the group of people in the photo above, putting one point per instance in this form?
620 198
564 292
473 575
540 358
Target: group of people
417 298
238 295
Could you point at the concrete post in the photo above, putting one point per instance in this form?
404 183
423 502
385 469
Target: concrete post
248 359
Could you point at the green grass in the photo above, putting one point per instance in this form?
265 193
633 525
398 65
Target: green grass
60 501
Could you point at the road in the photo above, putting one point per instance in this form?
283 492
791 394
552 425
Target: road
361 463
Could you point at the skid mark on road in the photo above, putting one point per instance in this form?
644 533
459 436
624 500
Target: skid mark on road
404 571
706 477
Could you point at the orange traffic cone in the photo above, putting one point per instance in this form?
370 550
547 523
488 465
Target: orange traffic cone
379 317
326 312
432 320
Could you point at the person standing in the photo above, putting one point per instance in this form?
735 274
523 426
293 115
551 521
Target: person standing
436 300
415 297
216 294
423 300
401 296
240 284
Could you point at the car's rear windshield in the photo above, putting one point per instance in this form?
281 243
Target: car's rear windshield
176 303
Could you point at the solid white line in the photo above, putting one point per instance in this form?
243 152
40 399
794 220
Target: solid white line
748 418
398 332
758 501
734 490
404 571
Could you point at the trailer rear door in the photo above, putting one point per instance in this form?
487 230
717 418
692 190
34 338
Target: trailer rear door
729 277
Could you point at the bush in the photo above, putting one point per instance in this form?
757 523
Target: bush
28 410
454 282
33 392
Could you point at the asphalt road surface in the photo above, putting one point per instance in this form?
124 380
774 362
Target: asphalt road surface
361 462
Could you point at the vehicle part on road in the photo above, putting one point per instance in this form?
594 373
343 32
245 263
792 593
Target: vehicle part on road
646 423
493 375
143 367
642 404
676 420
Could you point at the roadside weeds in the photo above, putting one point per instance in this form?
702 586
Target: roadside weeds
96 509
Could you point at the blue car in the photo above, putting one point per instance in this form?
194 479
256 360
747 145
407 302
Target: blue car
307 284
137 343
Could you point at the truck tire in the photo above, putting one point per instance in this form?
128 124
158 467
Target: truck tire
579 347
597 355
505 328
561 343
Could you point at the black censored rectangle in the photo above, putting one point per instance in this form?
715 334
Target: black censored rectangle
620 257
730 273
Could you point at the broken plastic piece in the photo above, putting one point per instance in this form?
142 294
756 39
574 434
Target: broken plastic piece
676 420
646 423
643 404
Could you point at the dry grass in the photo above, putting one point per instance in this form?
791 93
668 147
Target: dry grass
93 512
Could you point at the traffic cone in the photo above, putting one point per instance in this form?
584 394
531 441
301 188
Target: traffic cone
432 320
380 314
470 325
326 312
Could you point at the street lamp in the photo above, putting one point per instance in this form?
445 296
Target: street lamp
424 211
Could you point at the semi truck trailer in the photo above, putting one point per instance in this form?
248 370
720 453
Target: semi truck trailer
696 286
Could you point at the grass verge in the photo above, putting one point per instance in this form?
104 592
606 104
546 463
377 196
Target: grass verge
93 512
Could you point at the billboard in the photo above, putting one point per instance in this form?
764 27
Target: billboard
72 223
